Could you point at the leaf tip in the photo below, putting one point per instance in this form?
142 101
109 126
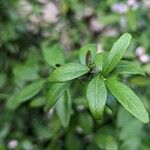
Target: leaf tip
146 118
127 34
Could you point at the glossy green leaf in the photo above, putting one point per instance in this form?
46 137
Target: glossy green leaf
83 51
116 53
96 96
56 91
54 55
25 94
68 72
125 67
63 108
128 99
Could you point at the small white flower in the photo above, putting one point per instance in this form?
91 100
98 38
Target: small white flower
146 3
34 19
95 25
139 51
25 8
144 58
110 32
120 8
133 4
12 144
50 13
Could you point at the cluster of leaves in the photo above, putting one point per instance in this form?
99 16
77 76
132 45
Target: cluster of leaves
97 67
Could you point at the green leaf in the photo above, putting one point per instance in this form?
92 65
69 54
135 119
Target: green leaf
132 143
56 91
128 99
140 81
85 121
99 60
2 79
25 94
109 19
68 72
72 142
132 129
146 68
132 19
96 96
83 51
116 53
106 141
63 108
54 55
125 67
27 71
37 102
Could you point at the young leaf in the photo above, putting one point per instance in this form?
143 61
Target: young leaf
84 50
63 108
99 60
116 53
128 99
96 96
56 91
68 72
54 55
25 94
125 67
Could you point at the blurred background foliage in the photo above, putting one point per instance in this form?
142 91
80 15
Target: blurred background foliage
29 28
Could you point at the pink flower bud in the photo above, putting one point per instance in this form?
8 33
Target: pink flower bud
144 58
139 51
